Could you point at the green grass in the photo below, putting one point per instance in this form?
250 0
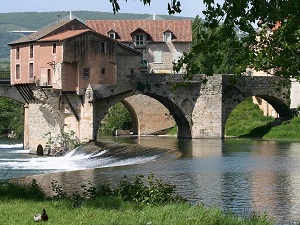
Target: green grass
20 211
287 130
248 120
19 203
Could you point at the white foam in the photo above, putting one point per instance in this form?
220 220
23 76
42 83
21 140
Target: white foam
74 160
11 145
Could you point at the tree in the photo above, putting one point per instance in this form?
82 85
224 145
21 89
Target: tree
265 48
117 118
11 117
201 59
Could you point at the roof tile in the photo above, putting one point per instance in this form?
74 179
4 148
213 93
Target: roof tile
182 29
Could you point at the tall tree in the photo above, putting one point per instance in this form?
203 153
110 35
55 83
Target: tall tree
271 28
11 117
225 58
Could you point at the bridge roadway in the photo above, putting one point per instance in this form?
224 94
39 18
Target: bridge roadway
200 109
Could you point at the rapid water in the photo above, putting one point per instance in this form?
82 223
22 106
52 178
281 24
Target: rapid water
16 162
241 175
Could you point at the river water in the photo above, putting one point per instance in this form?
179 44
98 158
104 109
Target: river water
241 175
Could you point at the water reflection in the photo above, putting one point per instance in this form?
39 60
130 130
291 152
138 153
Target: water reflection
234 174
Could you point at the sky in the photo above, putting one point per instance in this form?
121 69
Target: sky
190 8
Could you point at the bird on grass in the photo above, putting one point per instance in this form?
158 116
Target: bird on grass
43 216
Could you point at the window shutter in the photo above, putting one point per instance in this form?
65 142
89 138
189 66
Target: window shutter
157 57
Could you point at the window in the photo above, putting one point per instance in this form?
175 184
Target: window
103 71
49 80
86 73
168 37
103 47
18 72
139 40
31 51
112 35
18 52
54 48
31 70
157 56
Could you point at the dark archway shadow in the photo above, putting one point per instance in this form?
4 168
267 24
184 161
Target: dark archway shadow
261 131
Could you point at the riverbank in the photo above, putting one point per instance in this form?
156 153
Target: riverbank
20 203
247 120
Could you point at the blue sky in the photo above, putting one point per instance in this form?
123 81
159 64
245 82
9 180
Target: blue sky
190 8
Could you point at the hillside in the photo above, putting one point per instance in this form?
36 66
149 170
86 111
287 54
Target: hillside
37 20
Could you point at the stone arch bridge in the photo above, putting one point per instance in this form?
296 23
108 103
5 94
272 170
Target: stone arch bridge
200 109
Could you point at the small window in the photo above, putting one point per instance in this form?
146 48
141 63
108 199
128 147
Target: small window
157 56
31 70
112 35
54 48
31 51
103 71
18 72
139 40
18 52
49 79
86 73
103 47
168 37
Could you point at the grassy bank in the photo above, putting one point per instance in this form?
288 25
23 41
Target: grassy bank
19 203
248 120
112 211
287 130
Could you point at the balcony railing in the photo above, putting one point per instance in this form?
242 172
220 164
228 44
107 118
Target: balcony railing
4 74
4 77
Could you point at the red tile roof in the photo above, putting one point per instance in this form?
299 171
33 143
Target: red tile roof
44 32
181 29
64 35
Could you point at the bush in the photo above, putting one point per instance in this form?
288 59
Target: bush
22 191
155 193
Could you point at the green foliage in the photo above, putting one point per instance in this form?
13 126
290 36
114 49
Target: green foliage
211 53
277 52
11 117
247 120
65 140
287 130
117 118
155 193
173 131
14 190
149 192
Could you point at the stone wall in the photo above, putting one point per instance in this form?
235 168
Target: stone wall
151 115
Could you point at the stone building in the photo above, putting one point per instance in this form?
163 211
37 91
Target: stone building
162 42
68 56
58 71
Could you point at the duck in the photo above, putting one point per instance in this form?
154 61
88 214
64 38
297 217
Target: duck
42 216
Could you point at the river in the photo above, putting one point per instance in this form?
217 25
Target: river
241 175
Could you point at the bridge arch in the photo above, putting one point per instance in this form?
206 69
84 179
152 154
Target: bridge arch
11 92
133 104
233 95
184 130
